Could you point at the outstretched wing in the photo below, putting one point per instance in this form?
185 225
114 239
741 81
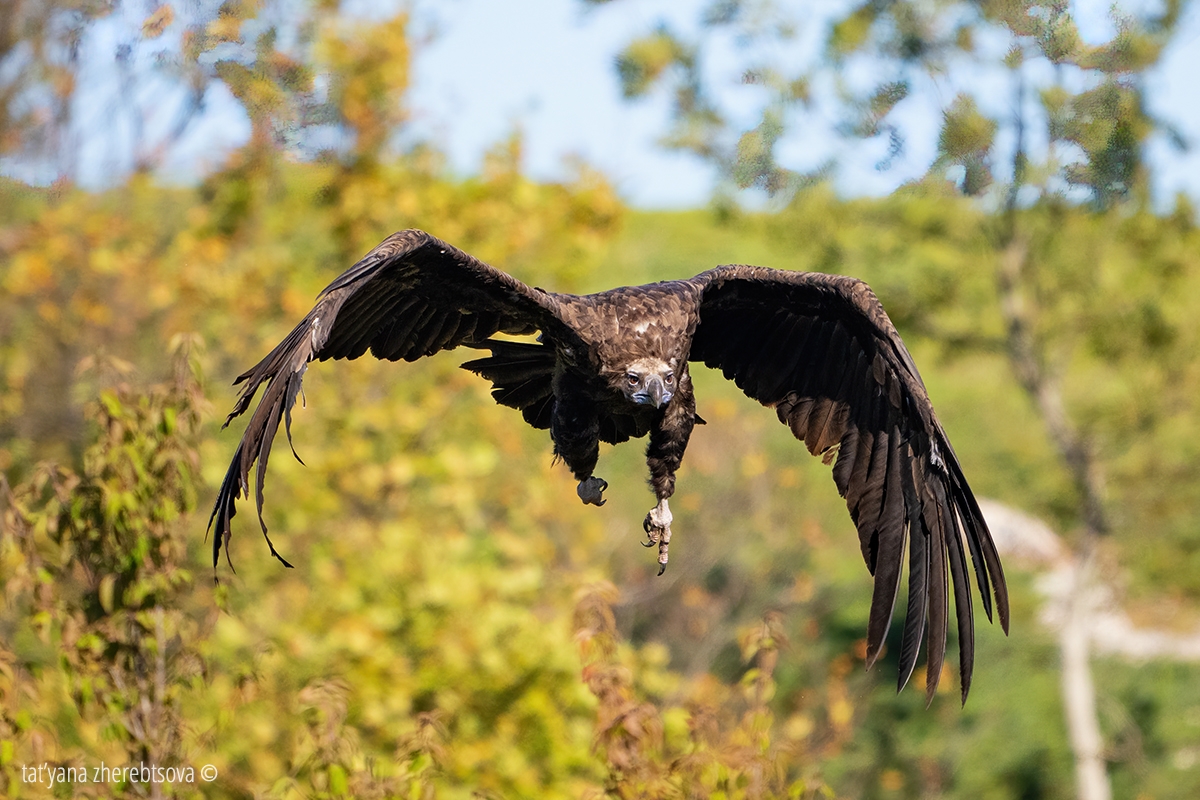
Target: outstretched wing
820 350
412 296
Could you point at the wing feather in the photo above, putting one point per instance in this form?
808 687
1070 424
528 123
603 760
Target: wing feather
523 394
364 314
820 350
813 358
758 374
857 489
846 458
788 358
867 511
439 334
962 600
832 369
522 376
427 334
393 340
464 332
938 599
889 529
918 573
981 546
413 333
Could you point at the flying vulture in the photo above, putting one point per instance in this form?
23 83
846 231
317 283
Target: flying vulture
612 366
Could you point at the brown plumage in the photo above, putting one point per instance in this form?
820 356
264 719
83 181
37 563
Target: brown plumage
611 366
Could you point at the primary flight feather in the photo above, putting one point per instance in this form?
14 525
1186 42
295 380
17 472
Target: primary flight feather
611 366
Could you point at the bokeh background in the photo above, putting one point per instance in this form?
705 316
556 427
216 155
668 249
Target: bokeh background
1015 179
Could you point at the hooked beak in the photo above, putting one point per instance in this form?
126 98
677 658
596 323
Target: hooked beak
655 394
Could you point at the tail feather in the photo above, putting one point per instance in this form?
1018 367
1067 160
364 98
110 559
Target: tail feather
522 376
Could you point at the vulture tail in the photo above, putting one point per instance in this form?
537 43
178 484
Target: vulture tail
522 376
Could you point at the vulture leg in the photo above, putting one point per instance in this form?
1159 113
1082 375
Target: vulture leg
658 531
575 429
668 440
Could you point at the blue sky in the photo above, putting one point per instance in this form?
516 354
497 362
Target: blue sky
483 68
546 66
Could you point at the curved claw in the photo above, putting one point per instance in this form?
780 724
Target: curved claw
652 536
658 531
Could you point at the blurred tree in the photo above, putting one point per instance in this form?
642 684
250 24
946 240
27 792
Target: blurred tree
720 743
94 566
1088 97
422 647
325 694
1090 104
87 273
150 76
67 63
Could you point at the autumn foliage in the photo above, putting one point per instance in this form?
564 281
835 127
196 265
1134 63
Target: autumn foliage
457 624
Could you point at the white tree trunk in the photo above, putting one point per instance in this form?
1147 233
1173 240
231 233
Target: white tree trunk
1086 616
1079 693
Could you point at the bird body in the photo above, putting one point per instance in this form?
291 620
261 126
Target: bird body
614 365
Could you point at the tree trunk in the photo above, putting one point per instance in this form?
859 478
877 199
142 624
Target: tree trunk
1079 693
1028 361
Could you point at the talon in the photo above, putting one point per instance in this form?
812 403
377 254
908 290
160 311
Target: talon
658 531
591 490
652 534
664 542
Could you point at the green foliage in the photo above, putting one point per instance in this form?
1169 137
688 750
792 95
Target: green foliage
1109 124
1092 108
96 567
769 533
451 628
754 163
423 644
369 65
644 60
717 743
966 140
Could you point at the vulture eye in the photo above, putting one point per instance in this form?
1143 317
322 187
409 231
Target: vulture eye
669 379
634 380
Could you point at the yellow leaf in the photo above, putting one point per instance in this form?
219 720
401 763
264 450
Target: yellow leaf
107 584
159 21
892 780
840 712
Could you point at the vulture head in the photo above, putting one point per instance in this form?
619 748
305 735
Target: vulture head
648 382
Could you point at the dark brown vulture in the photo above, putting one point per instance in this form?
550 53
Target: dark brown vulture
608 367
